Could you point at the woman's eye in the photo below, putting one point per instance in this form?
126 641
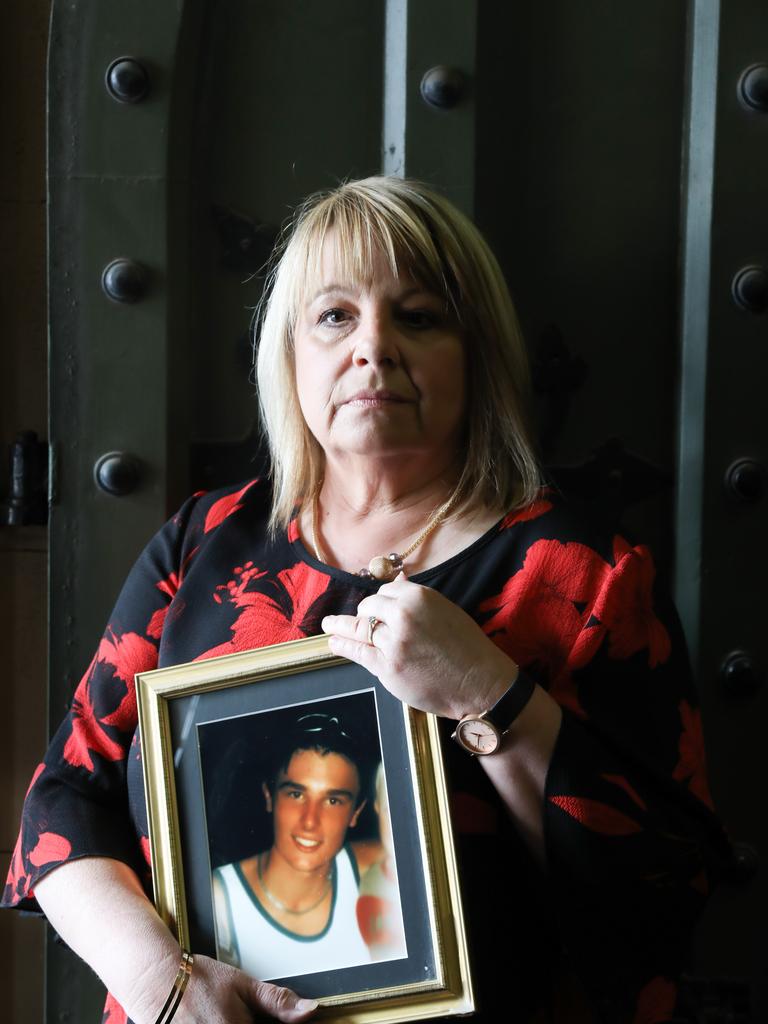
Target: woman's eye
421 319
333 317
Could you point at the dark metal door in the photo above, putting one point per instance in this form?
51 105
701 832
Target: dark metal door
617 166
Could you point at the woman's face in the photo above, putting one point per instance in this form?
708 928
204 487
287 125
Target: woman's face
380 367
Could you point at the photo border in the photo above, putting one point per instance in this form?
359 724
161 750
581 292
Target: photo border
451 990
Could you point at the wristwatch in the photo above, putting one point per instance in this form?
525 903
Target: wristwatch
481 734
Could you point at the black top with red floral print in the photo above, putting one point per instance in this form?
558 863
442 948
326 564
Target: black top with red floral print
632 844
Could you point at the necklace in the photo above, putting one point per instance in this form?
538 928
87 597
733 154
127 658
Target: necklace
279 903
385 567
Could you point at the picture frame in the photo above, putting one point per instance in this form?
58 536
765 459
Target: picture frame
226 784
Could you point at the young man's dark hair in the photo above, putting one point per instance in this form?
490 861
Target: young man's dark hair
327 735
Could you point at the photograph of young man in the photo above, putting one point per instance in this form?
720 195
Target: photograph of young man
292 908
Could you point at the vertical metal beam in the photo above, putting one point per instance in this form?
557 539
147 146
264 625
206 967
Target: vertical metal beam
110 375
698 186
421 140
395 87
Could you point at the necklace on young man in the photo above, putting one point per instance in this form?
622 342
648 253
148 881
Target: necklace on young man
279 903
384 568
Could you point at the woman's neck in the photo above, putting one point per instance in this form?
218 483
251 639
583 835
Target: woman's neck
359 488
357 518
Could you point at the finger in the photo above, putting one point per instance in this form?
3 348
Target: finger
276 1001
341 625
350 627
399 586
362 653
378 605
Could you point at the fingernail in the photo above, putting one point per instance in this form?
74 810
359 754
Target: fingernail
306 1004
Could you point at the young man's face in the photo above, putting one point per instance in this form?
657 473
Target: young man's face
315 802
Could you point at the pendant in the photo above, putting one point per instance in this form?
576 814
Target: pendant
383 568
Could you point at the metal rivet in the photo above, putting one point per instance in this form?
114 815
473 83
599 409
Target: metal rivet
117 473
739 673
443 87
127 80
124 280
746 480
745 863
750 289
753 87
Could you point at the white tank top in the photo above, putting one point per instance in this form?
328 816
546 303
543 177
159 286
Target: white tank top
248 937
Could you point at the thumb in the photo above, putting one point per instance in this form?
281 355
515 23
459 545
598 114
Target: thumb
276 1001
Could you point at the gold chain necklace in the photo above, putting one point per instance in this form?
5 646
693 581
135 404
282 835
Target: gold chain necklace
279 903
384 567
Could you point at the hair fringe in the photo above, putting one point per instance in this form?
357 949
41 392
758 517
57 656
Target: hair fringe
419 231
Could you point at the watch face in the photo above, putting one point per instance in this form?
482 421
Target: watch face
477 736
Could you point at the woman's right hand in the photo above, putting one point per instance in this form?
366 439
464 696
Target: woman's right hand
220 994
99 908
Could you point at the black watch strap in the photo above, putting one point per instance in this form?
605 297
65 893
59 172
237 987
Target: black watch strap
510 704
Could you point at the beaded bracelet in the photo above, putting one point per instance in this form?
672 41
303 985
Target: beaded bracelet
174 998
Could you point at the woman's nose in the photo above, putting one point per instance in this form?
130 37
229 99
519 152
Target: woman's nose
376 341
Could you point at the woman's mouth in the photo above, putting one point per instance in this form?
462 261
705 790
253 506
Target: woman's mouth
372 398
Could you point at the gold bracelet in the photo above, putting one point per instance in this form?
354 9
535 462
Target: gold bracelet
181 982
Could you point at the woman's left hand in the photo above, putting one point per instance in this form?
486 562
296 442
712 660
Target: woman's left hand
426 650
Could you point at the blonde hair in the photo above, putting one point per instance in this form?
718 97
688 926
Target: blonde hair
423 235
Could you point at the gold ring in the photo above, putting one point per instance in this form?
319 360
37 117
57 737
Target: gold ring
372 624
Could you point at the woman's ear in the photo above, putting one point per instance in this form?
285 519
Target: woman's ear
267 797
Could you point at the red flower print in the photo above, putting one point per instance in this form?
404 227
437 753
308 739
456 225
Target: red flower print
18 881
656 1002
224 507
156 623
596 816
169 585
524 515
125 654
113 1012
540 614
282 612
50 847
625 607
87 734
691 765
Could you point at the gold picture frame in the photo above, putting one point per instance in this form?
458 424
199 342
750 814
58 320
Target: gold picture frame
202 724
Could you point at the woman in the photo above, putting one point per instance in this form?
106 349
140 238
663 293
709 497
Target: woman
292 909
393 386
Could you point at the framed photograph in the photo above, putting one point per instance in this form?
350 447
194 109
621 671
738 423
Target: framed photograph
299 829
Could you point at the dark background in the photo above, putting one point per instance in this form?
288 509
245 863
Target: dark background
607 153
